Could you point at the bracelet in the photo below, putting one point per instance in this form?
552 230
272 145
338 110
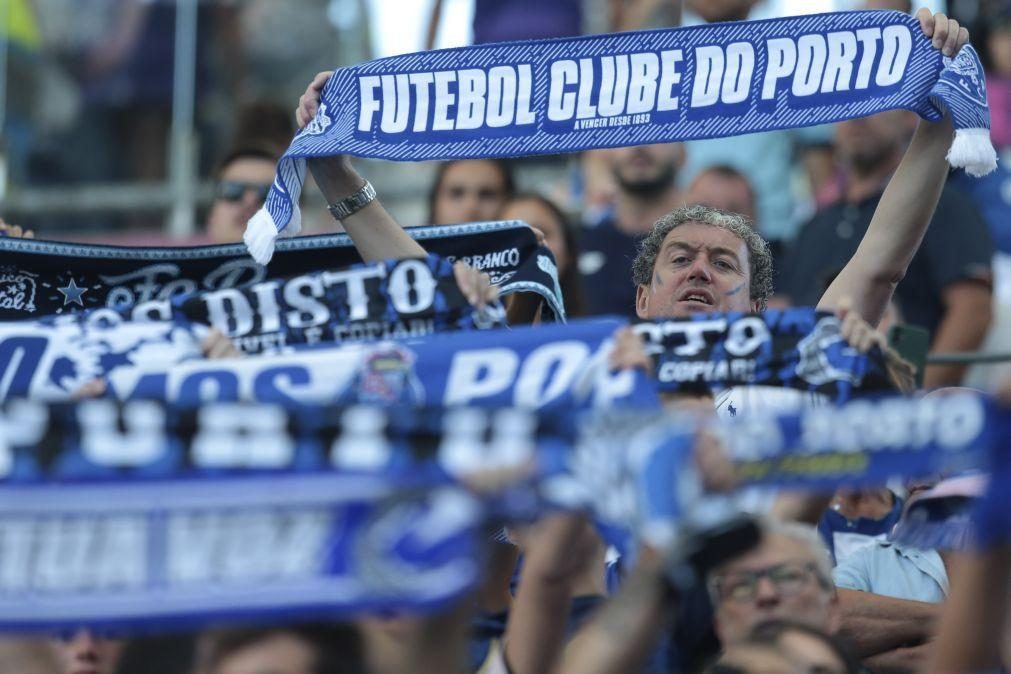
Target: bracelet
354 203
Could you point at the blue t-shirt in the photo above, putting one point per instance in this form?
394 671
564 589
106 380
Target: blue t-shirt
605 262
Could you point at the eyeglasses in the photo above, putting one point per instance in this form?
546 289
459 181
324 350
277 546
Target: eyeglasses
788 578
233 190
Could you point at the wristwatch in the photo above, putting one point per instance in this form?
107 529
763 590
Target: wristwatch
354 203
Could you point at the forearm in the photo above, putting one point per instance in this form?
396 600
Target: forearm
535 633
898 225
973 620
908 659
623 634
875 624
963 328
376 235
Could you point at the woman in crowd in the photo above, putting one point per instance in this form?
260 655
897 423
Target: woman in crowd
559 237
469 190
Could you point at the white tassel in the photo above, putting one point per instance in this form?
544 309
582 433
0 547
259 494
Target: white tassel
973 151
261 232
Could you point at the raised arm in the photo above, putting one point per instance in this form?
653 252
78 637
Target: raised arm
908 203
375 233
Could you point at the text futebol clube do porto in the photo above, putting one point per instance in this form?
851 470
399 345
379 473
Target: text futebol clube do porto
637 88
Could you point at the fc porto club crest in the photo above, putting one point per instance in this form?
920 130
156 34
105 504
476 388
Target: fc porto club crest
319 124
387 376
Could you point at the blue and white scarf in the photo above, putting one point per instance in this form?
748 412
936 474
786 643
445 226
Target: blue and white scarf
52 358
799 348
543 367
150 515
659 86
406 298
39 278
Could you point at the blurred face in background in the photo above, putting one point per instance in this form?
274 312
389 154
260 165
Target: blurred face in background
539 216
241 190
722 10
868 143
645 170
724 191
280 653
777 580
472 190
88 653
998 47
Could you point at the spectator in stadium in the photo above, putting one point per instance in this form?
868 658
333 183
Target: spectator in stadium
645 178
856 518
295 649
997 56
890 593
945 287
560 238
242 181
88 652
469 190
788 576
724 187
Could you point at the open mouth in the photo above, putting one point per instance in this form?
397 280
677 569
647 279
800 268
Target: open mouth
701 298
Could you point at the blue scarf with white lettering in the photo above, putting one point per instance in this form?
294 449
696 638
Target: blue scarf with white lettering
658 86
381 300
53 357
545 367
168 516
655 483
799 348
39 278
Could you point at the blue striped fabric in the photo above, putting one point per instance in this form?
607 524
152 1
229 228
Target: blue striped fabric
574 94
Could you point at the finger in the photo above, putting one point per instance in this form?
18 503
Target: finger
866 340
29 234
306 109
951 42
850 328
485 284
843 308
540 236
940 30
320 80
963 37
926 20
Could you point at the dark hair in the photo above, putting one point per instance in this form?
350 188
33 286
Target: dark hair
772 631
251 150
337 648
504 168
570 280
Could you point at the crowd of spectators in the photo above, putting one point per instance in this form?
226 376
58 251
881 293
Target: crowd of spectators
823 589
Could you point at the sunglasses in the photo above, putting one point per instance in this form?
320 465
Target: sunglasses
233 190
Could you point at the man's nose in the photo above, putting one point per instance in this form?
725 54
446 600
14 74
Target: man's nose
84 646
700 269
766 592
250 199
